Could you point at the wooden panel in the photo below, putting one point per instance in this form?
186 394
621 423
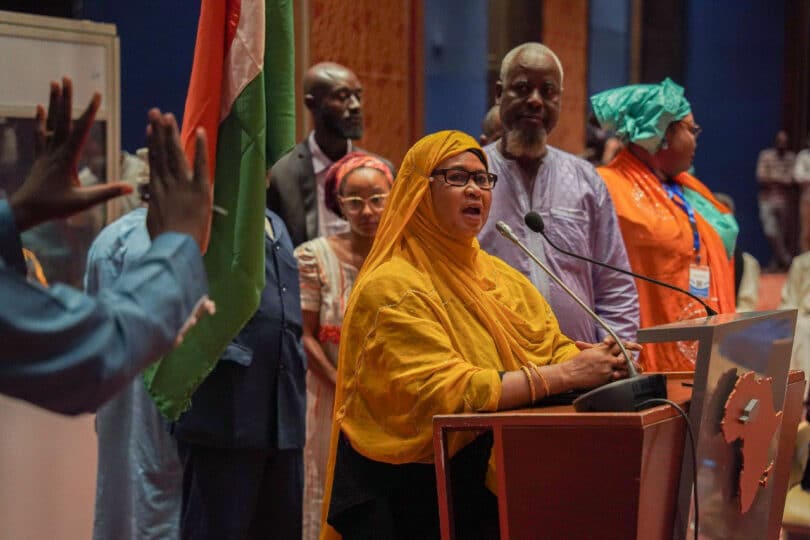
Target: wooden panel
552 475
793 412
564 474
382 43
565 30
661 456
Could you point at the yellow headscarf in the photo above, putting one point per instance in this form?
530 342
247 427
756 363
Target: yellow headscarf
462 282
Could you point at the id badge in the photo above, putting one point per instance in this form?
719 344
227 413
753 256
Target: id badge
699 278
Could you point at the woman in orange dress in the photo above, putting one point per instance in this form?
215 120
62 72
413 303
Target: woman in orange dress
673 227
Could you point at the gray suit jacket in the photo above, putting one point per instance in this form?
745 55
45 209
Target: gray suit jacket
293 194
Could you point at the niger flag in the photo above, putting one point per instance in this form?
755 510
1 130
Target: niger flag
242 92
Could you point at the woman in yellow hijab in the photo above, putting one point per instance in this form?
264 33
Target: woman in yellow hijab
434 326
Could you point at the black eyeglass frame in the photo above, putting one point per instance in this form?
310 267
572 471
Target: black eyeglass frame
492 177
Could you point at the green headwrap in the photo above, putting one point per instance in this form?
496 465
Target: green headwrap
641 113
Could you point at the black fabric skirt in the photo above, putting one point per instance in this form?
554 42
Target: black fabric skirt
375 500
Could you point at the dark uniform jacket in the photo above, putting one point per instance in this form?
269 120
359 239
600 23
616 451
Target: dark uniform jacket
256 395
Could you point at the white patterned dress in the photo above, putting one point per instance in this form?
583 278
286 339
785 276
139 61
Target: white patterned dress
326 282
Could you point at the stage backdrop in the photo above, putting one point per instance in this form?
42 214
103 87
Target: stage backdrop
382 43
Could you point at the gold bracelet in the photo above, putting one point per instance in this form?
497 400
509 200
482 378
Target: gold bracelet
528 373
543 380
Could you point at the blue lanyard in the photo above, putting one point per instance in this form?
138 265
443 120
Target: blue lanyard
675 193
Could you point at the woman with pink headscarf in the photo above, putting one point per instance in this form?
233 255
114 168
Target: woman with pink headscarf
356 189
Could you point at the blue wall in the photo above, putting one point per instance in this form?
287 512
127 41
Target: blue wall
608 44
734 81
455 65
157 47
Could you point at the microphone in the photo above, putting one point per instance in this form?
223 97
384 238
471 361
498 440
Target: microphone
627 395
534 221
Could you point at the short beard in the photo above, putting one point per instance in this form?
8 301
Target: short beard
344 132
353 133
523 144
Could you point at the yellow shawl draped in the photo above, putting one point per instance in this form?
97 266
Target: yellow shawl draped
430 323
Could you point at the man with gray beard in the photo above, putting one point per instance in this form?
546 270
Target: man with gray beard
566 191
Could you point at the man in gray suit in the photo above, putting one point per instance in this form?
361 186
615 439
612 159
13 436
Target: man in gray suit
334 97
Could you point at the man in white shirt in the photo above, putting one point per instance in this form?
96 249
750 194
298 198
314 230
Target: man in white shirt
334 96
801 174
774 174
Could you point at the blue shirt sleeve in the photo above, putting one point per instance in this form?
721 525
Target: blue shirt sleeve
68 352
10 246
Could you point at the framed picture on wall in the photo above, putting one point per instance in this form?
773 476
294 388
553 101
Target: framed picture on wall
37 50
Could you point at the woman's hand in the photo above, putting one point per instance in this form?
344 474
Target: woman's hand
630 347
317 361
597 364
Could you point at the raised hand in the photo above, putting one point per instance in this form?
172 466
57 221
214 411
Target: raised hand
52 189
178 201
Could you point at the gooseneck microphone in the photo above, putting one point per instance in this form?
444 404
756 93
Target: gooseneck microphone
506 231
627 395
534 221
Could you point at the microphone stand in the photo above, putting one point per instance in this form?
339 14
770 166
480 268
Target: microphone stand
626 395
534 221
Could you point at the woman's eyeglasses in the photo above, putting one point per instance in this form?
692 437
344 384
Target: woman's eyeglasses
460 177
354 205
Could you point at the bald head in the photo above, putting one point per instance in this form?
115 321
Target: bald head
530 48
320 78
333 95
530 94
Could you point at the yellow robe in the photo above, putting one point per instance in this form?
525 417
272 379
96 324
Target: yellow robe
430 323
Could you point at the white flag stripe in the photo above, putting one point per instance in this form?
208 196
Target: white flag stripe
245 59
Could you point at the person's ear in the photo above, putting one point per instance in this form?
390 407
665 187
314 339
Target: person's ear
498 92
667 135
309 102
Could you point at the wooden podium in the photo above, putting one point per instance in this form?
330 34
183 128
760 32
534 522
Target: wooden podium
567 475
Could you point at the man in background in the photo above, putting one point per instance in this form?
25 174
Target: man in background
139 479
568 194
801 174
241 442
334 97
775 177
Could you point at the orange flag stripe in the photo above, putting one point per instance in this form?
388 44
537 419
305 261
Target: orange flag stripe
214 39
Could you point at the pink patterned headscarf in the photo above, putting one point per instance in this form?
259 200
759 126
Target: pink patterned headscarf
340 169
